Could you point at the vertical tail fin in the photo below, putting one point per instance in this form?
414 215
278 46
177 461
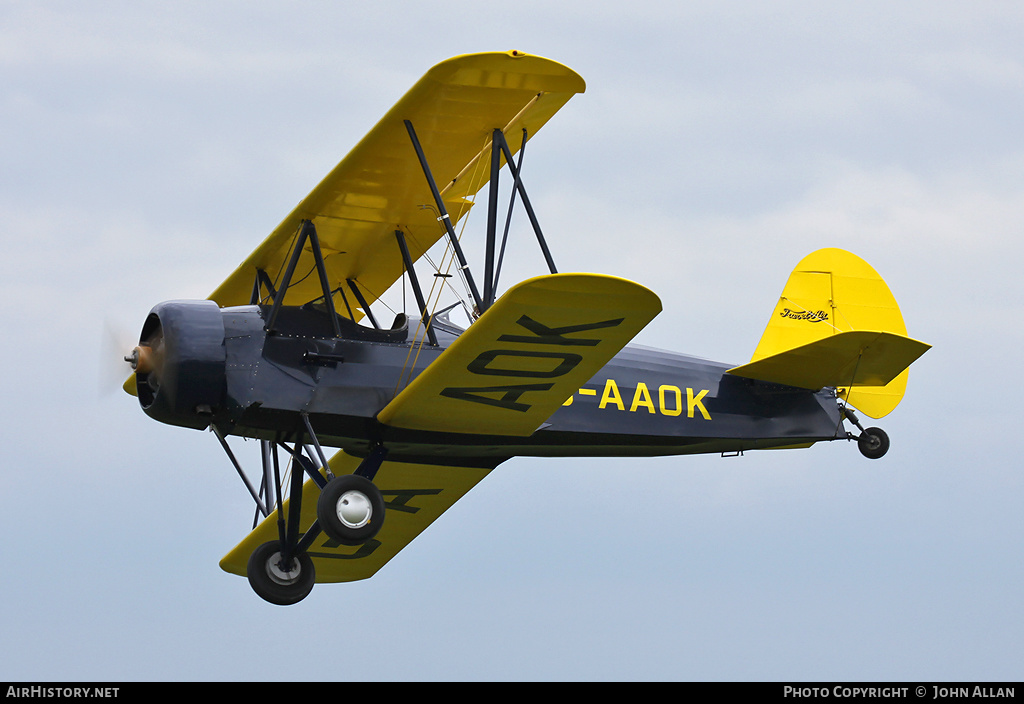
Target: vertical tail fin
830 295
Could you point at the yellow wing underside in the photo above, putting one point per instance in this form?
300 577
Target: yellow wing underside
379 186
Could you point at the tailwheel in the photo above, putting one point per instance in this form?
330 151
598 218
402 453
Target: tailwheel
277 582
873 443
350 509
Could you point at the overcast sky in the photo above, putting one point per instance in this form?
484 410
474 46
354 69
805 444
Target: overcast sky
146 148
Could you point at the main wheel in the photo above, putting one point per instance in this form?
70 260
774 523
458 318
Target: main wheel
278 583
350 509
873 443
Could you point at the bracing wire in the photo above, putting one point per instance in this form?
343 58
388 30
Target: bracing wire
437 287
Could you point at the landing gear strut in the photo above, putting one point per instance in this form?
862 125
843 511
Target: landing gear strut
350 510
872 442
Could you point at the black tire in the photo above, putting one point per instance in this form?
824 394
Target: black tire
350 490
873 443
277 585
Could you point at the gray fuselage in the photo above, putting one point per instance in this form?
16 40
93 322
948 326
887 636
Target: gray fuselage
644 402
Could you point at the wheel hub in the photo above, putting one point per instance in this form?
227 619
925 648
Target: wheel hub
354 509
280 575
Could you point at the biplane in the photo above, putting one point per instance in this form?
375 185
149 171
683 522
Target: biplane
288 350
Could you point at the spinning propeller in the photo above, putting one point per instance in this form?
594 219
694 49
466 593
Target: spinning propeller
110 372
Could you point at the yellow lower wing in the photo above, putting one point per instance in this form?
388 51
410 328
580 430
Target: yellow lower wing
415 495
525 356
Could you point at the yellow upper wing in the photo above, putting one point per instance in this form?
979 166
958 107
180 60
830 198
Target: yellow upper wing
379 186
528 353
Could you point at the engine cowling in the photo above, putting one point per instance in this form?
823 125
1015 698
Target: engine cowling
180 363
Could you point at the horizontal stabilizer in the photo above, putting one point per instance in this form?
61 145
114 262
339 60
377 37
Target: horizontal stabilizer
516 365
415 495
855 358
